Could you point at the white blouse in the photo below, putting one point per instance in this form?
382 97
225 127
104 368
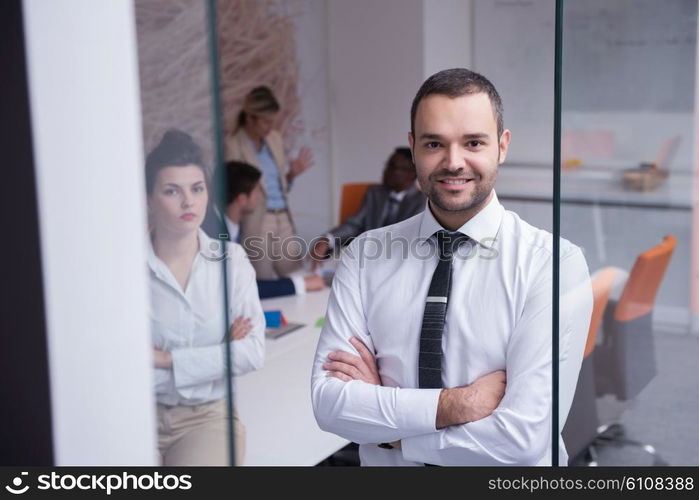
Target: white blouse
190 323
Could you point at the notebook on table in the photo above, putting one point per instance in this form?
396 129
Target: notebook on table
274 333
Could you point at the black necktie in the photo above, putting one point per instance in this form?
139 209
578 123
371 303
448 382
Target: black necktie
430 357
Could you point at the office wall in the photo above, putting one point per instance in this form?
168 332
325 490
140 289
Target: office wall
447 34
513 45
694 281
86 131
379 53
375 52
311 195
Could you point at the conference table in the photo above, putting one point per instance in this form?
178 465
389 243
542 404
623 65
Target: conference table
274 403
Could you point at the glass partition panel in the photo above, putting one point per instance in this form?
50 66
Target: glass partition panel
513 46
627 200
206 319
274 107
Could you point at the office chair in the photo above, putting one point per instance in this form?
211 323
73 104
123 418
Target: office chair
625 359
628 339
352 198
581 426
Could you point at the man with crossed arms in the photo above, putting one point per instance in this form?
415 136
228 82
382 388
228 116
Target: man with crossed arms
436 347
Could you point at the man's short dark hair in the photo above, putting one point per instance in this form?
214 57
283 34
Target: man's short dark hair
175 149
455 83
404 152
241 178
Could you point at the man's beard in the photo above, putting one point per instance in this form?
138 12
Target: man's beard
445 202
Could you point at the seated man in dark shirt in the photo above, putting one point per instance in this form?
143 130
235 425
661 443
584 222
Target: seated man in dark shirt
396 199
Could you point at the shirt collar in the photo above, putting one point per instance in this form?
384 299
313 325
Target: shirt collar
158 266
482 228
253 146
154 262
401 196
233 228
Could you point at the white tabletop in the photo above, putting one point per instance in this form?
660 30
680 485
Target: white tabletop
598 185
275 403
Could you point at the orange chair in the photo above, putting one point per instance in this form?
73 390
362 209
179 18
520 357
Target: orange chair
580 429
601 288
624 362
639 294
626 359
352 198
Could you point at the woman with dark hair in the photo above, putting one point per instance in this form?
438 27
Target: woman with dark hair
268 227
188 320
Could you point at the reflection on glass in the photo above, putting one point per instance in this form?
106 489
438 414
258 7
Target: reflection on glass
514 46
204 306
626 197
268 225
275 109
185 317
188 320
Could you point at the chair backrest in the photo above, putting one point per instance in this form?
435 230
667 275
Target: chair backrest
601 287
643 284
580 427
352 197
625 361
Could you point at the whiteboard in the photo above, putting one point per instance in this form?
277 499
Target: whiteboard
621 58
628 55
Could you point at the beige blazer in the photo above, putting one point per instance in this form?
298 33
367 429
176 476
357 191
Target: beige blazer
239 147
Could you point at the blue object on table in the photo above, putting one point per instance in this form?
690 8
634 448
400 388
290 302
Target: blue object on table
273 319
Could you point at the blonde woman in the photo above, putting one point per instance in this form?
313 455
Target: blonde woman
267 232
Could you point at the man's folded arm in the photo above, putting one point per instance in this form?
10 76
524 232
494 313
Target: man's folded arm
358 411
518 431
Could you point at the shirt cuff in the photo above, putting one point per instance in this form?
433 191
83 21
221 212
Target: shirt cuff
416 410
299 283
423 448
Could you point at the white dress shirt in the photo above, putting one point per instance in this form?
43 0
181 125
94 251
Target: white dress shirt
190 324
233 229
498 318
